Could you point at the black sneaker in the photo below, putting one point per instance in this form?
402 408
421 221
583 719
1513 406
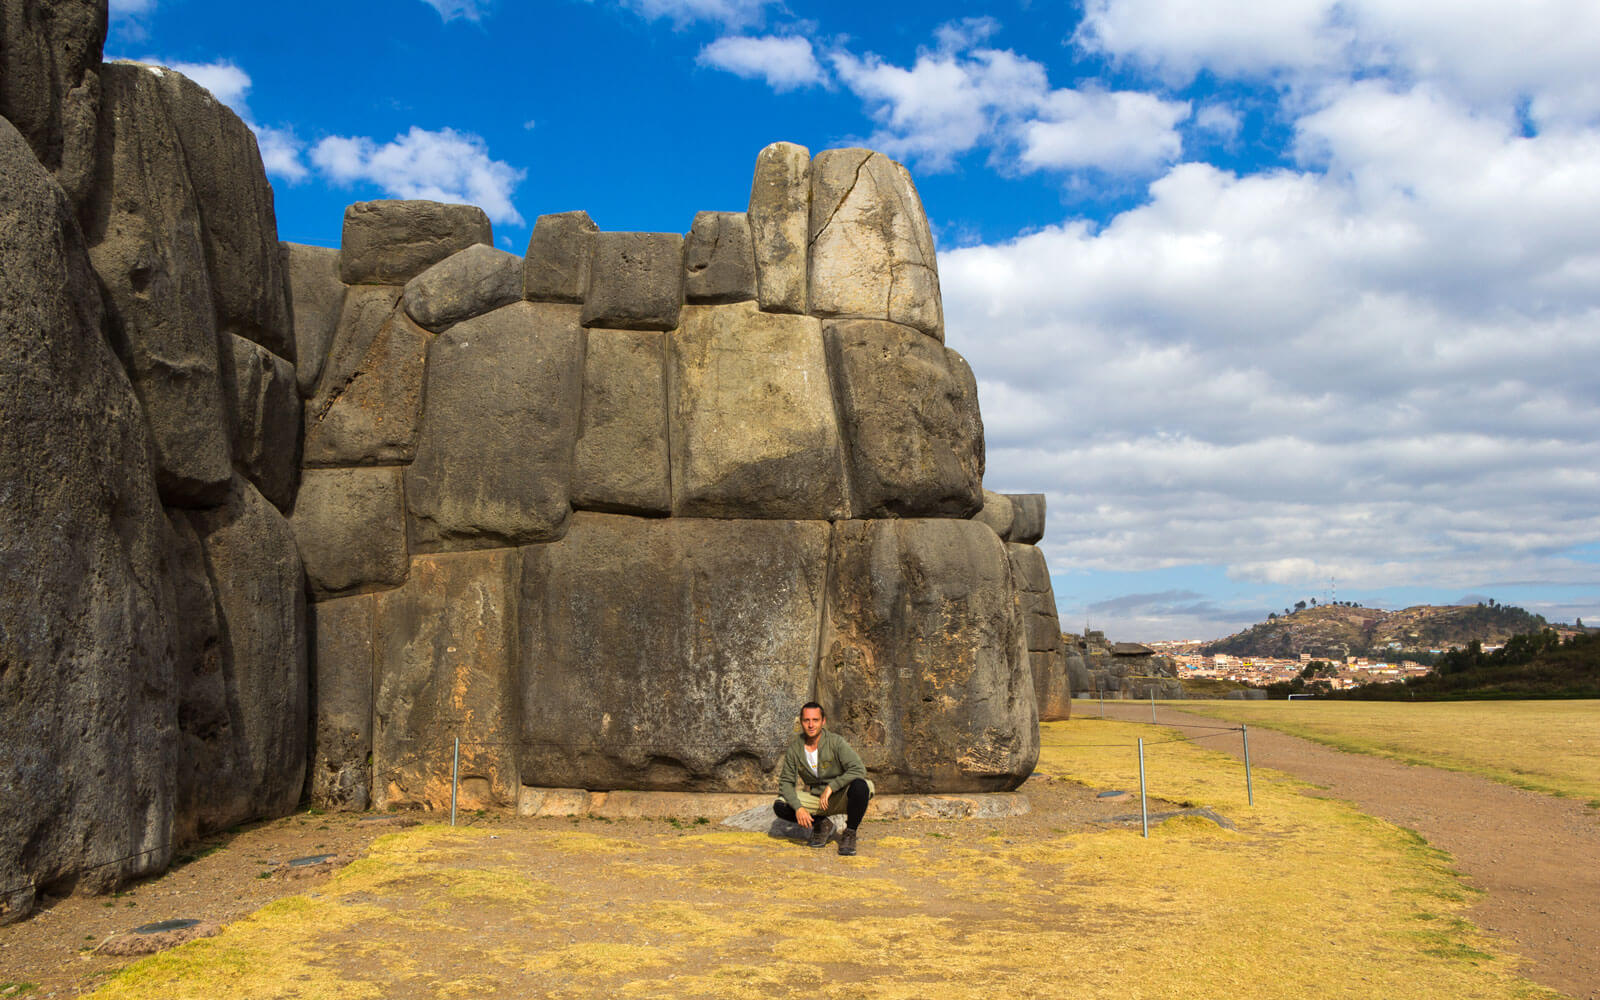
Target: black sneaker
821 830
847 843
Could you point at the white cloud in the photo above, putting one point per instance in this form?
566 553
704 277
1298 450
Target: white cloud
281 149
281 153
956 98
1218 120
784 62
227 82
728 13
445 165
471 10
131 8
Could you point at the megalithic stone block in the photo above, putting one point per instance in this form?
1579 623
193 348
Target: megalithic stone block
913 445
341 683
1036 603
143 227
390 242
718 263
966 405
635 281
621 460
467 283
367 409
556 268
238 225
753 423
446 648
871 252
350 525
265 410
780 220
49 87
494 457
996 513
316 301
924 664
667 653
1027 522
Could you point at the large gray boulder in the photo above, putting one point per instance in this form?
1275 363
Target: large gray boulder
350 526
316 300
667 654
238 226
620 463
754 426
340 770
780 220
1027 520
1078 678
996 513
143 227
635 281
49 82
494 457
258 769
556 267
446 669
924 664
467 283
264 406
368 405
1036 603
871 252
205 738
718 263
87 710
915 443
390 242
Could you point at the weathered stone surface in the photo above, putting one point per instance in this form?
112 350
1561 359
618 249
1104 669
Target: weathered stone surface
967 404
200 688
363 311
49 88
635 281
753 422
341 686
556 268
316 300
144 235
910 426
1027 521
996 513
620 463
391 242
718 263
255 568
85 619
238 226
369 404
446 668
1036 604
667 654
467 283
871 253
780 219
350 525
1078 678
265 409
924 665
494 458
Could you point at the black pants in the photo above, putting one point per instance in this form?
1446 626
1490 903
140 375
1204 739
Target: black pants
855 806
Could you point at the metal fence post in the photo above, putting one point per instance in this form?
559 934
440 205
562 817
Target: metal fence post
1152 704
1144 806
1249 786
455 777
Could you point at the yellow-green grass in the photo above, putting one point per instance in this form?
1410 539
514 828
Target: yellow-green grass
1307 898
1544 746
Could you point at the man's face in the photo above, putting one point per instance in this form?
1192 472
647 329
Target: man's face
811 722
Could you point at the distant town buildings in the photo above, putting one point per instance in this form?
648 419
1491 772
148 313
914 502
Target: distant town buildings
1263 670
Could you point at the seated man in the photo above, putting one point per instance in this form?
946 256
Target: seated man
821 777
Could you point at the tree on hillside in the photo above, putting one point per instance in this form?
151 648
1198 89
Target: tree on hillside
1299 605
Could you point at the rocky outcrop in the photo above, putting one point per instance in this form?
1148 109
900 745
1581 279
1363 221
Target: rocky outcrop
49 83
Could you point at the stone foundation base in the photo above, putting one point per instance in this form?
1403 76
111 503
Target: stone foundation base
720 805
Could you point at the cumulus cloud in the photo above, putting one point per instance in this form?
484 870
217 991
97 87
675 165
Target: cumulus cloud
471 10
443 165
785 62
958 96
227 82
728 13
281 149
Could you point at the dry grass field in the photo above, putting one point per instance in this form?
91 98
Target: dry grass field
1544 746
1307 898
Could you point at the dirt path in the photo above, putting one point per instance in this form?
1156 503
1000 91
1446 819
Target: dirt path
1536 857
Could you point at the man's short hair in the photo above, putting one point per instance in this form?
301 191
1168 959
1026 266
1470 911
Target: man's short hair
815 705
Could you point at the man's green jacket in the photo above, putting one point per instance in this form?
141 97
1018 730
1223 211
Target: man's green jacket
837 766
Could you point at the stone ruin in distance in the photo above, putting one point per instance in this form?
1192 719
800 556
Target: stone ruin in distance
282 522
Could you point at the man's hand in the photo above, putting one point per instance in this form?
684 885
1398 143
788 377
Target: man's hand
803 817
826 791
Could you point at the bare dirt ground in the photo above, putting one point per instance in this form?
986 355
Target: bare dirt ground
1536 857
68 947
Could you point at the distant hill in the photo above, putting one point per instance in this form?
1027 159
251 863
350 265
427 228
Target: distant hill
1540 665
1340 630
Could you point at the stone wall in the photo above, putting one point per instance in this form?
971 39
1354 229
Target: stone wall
284 522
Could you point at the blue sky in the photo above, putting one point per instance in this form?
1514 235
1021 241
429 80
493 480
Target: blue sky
1274 301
